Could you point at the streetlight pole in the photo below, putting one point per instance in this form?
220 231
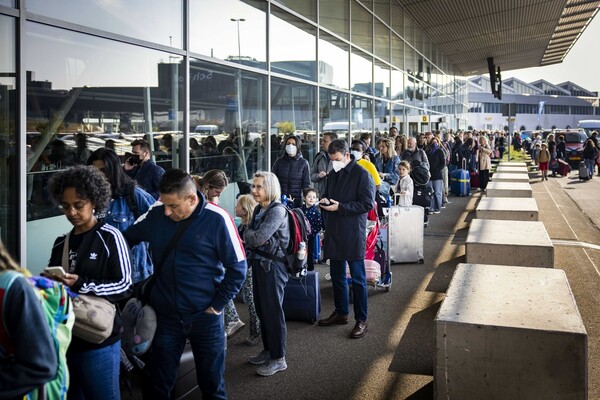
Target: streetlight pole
237 21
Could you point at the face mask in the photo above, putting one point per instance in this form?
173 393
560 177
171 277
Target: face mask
337 165
290 149
357 154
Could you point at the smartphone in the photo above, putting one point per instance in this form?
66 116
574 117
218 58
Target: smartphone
58 271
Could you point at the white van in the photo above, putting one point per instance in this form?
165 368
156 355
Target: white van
341 126
207 130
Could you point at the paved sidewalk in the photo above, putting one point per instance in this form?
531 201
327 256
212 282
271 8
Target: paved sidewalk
395 359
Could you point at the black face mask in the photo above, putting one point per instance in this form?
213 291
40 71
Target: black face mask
135 160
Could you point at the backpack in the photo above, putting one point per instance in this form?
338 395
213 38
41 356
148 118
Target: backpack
57 307
297 250
419 174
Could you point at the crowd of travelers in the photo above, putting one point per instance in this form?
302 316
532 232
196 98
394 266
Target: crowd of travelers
133 223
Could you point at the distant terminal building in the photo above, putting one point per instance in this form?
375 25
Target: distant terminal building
539 104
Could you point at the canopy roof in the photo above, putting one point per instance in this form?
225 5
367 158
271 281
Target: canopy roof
516 33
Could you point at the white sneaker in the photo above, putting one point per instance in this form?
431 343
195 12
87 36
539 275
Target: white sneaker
234 327
272 367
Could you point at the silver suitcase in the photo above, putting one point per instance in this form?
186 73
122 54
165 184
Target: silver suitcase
405 234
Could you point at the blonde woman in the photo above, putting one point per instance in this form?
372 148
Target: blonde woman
386 162
484 162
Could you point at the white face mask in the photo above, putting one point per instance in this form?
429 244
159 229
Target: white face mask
337 165
290 149
357 154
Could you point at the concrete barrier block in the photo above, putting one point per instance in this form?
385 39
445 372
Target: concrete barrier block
509 189
509 333
509 242
513 164
512 170
507 208
510 177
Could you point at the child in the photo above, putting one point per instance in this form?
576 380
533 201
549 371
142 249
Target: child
244 207
316 224
405 185
543 158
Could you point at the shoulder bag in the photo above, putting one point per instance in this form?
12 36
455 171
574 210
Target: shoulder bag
94 316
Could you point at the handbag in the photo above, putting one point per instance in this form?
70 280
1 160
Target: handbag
94 316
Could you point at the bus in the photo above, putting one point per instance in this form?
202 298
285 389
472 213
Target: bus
589 125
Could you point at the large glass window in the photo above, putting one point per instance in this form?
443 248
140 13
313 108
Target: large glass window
232 30
398 19
9 195
293 111
362 27
333 112
397 52
8 3
361 72
382 10
220 104
159 21
334 16
293 46
381 72
397 85
334 62
77 102
362 115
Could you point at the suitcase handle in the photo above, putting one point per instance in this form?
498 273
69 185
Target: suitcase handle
464 164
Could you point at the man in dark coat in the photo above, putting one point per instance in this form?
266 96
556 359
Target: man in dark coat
292 170
349 196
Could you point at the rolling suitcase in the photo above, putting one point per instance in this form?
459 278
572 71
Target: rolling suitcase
583 172
302 298
474 179
563 168
460 181
405 234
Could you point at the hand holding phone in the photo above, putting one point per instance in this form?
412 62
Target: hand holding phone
56 271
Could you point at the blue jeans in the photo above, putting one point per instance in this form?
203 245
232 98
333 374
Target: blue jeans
359 287
94 374
589 165
436 199
207 338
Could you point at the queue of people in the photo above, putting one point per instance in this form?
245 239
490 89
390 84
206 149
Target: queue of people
199 260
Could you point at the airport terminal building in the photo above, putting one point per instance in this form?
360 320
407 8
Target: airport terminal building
244 71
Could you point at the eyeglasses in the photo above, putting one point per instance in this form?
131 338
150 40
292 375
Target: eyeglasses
257 187
78 207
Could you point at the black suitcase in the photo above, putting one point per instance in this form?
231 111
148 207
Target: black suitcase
302 298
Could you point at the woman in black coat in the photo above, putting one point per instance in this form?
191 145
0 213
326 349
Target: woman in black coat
292 170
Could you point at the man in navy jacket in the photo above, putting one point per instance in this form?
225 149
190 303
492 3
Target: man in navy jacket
349 196
203 271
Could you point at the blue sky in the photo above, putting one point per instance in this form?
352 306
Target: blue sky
581 65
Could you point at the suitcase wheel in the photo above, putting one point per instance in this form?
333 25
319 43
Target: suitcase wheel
421 261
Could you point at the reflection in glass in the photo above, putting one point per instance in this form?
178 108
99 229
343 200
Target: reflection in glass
216 108
333 63
382 10
361 70
7 3
306 8
362 27
382 79
293 111
157 21
293 47
397 52
382 116
398 19
382 41
397 85
333 112
214 30
9 196
362 115
334 15
77 102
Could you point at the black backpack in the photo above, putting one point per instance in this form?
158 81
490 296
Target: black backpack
419 174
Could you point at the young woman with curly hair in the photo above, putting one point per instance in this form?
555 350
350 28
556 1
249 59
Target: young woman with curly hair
96 258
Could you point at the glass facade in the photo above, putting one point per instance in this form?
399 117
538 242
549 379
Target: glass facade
244 72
